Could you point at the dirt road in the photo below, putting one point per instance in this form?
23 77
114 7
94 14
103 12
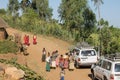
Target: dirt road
51 44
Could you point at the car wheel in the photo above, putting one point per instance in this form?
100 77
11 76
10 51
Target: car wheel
93 76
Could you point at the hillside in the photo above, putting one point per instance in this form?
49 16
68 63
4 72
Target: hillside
35 52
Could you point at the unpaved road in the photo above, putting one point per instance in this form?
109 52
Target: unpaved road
51 44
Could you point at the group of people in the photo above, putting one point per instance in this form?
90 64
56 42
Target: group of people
54 60
26 40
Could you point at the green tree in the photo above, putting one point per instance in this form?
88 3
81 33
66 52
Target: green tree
2 12
106 38
97 3
13 7
89 22
70 12
42 8
25 4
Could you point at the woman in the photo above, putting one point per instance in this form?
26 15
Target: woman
43 55
27 40
34 39
48 62
66 63
61 61
71 62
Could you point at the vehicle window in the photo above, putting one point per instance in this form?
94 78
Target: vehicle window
99 63
88 53
106 65
117 67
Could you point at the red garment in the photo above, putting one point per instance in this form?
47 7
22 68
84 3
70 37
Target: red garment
25 41
61 59
34 39
65 64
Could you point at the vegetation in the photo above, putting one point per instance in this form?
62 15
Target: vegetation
8 47
29 74
78 22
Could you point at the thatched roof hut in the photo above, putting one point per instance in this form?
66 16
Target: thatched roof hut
3 32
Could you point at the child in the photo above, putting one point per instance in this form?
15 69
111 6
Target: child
62 74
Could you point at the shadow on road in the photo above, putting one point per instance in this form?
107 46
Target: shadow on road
90 75
84 67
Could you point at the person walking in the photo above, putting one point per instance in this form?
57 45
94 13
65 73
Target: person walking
61 61
62 74
34 39
48 62
43 55
25 39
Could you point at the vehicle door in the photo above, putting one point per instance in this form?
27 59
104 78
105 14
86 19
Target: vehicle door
106 70
98 68
102 70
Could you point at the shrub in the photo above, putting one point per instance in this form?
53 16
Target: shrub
8 47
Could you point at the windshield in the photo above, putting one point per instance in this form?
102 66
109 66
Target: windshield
88 53
117 67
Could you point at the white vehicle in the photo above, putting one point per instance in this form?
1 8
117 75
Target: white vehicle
106 69
85 57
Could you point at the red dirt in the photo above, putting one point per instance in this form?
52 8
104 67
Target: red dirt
51 44
35 52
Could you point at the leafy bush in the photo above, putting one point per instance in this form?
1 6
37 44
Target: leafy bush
8 47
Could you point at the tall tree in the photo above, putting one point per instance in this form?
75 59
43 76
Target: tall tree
13 7
71 12
42 8
25 4
97 3
89 22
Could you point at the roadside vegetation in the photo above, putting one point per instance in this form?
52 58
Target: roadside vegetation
29 74
8 47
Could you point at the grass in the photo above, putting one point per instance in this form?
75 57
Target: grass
8 47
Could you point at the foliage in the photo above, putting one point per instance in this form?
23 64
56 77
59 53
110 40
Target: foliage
13 7
29 74
97 4
8 47
42 8
2 12
71 12
24 4
106 40
78 23
89 22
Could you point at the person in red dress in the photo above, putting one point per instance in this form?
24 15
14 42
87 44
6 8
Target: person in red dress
34 39
25 41
61 61
65 63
